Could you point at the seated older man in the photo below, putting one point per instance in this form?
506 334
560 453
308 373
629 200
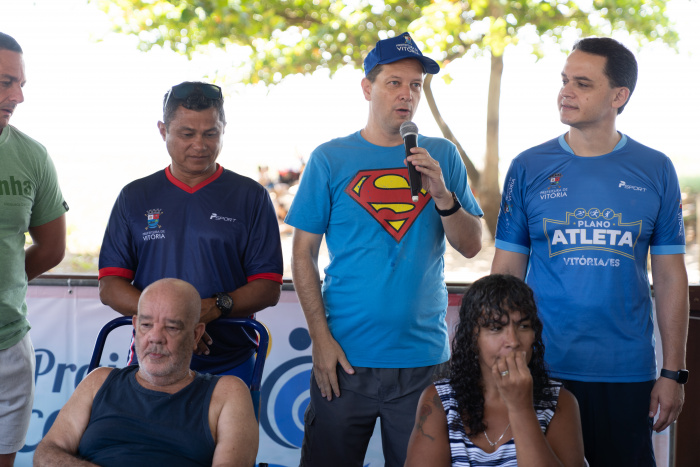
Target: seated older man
160 411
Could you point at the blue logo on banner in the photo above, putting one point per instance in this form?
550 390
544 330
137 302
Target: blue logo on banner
286 393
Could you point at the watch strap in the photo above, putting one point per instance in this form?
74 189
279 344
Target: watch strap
680 376
448 212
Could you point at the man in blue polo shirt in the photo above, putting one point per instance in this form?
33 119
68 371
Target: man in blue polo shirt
579 215
378 326
197 222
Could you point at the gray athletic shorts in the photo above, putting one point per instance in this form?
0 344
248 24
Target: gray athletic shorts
16 394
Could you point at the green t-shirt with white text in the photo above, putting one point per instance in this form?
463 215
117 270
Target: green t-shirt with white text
29 196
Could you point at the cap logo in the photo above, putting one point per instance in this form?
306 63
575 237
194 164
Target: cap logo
408 47
398 48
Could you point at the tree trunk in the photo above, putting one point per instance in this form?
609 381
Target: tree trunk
489 192
472 173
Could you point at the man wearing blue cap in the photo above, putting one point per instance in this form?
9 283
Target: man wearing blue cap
378 323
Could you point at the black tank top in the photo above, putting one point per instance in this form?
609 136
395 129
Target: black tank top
134 426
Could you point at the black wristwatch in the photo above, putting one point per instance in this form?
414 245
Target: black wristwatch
452 210
680 376
224 302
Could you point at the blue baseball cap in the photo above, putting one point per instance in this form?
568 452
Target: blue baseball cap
398 48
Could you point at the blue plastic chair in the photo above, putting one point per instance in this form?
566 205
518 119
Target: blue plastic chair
261 355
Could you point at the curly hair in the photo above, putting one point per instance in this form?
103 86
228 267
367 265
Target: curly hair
490 300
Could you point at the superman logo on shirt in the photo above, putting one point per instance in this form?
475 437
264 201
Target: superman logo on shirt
386 195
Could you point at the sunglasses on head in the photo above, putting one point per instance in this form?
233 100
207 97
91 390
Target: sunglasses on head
185 90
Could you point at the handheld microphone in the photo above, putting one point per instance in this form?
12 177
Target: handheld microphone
409 133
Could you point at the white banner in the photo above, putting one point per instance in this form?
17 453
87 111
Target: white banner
66 320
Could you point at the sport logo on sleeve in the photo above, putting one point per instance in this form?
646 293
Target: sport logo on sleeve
386 195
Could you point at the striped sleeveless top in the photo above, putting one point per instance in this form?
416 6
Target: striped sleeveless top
463 452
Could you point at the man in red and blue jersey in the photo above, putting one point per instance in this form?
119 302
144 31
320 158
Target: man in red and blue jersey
198 222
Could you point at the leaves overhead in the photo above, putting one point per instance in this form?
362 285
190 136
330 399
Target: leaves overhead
271 39
283 37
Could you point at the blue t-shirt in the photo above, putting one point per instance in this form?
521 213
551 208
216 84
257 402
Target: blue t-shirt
384 289
218 236
587 224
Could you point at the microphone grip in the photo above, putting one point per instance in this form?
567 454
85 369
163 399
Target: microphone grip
414 177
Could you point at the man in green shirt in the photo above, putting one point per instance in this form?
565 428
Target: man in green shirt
30 201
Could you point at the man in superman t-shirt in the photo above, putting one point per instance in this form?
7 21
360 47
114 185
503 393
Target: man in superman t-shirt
378 323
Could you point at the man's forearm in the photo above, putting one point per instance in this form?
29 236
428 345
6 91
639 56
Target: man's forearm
248 299
509 262
463 231
48 248
50 455
672 307
307 283
311 300
38 259
255 296
119 294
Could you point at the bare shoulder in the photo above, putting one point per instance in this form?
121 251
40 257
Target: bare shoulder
564 431
430 409
230 390
431 396
567 401
430 390
94 380
74 417
231 384
567 410
429 441
230 408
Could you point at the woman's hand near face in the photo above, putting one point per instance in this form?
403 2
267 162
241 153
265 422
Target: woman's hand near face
514 381
563 444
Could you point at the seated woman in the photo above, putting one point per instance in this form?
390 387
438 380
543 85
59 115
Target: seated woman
498 407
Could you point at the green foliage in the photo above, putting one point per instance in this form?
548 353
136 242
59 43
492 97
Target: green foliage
690 185
283 37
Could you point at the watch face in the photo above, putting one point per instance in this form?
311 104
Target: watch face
224 302
683 376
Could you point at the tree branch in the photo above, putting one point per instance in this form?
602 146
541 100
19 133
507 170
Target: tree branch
473 174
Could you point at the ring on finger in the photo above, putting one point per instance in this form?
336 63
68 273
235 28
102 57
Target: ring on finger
504 373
